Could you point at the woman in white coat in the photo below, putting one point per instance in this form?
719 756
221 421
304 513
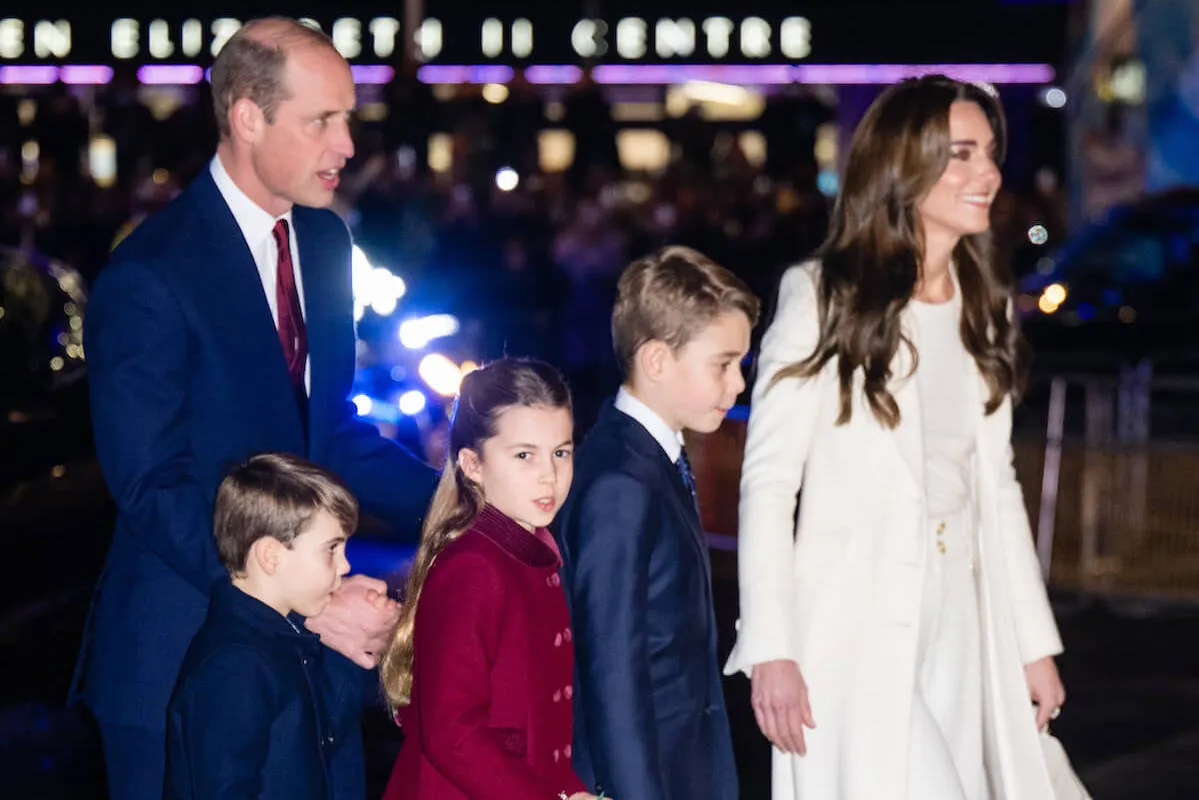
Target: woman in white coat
897 634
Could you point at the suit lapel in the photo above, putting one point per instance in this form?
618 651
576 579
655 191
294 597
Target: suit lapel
235 305
680 498
319 300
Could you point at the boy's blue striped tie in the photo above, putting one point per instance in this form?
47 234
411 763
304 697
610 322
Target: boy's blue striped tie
684 467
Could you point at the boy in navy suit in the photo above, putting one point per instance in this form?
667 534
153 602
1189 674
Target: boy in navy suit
650 721
254 713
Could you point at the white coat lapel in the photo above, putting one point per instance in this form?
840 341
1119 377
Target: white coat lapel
909 434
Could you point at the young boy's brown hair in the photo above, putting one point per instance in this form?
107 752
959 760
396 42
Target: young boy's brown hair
670 296
276 495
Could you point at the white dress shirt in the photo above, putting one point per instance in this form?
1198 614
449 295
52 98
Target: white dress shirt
257 228
670 441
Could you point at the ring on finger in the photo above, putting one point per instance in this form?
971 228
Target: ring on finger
1057 712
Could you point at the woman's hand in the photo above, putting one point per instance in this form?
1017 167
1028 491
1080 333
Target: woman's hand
1046 690
779 697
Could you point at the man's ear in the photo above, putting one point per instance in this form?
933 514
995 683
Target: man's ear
246 121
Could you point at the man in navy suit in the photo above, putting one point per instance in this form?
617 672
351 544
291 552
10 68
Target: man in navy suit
650 720
221 327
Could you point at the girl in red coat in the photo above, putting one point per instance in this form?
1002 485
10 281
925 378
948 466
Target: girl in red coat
480 669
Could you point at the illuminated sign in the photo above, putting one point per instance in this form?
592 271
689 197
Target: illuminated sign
548 34
630 38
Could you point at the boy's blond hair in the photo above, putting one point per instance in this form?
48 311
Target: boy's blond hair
670 296
276 495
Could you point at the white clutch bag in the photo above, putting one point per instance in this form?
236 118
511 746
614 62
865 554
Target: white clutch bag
1066 785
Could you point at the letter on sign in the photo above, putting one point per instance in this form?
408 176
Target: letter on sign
588 38
347 37
674 37
755 37
383 32
52 39
428 39
222 31
161 45
795 37
124 37
718 30
12 38
522 38
193 37
630 37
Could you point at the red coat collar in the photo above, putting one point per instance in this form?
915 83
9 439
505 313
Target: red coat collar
536 549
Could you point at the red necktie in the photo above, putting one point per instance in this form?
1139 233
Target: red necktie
292 333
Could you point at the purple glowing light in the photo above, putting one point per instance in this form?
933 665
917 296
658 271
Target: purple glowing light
742 74
845 74
34 74
170 74
479 73
566 74
85 74
682 73
371 73
553 74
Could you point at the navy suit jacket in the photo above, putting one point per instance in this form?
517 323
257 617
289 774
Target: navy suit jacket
187 377
650 719
252 714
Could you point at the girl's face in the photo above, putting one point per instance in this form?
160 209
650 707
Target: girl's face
525 470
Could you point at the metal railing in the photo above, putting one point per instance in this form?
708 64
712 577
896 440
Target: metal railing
1114 511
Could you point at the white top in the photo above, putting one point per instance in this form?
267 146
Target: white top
257 228
943 373
670 441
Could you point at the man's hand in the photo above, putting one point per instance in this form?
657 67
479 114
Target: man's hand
780 700
1046 690
359 621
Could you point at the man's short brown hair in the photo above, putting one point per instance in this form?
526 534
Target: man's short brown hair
251 65
670 296
276 495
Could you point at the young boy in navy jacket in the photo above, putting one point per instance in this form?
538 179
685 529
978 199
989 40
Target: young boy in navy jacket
256 712
649 715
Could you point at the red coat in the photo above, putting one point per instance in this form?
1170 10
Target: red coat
491 700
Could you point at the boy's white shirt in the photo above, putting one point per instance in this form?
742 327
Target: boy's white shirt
669 440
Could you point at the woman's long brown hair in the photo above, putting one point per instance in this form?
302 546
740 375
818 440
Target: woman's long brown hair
484 395
871 260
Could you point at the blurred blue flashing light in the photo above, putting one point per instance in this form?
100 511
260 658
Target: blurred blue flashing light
417 332
409 404
375 287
